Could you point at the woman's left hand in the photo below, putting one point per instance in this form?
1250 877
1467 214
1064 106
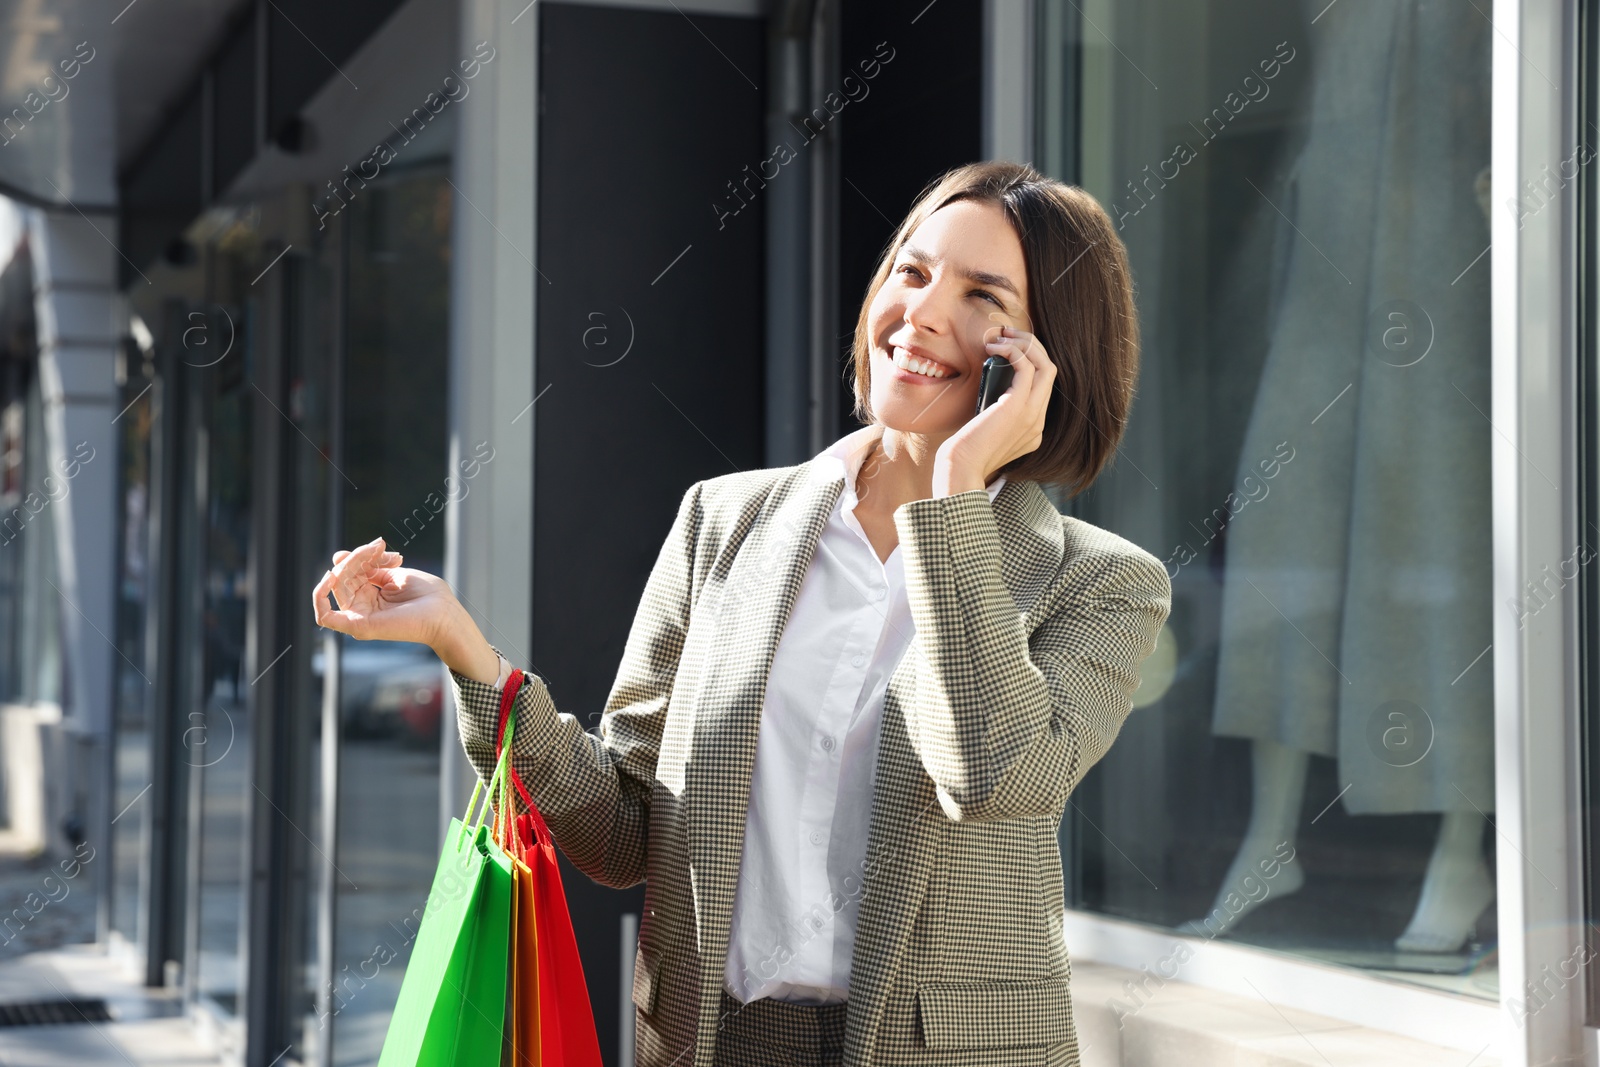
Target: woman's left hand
1010 427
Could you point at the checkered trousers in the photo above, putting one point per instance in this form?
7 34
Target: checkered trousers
775 1033
1030 630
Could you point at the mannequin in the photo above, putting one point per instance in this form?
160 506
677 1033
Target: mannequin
1455 890
1356 603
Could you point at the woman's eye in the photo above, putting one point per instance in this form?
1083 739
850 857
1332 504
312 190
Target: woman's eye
907 267
904 267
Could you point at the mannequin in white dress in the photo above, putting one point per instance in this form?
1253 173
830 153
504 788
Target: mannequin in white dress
1357 603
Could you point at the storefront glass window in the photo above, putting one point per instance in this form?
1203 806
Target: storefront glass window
1304 193
223 758
18 368
132 760
395 445
40 641
311 289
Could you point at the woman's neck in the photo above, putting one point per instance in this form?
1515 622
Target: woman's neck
898 470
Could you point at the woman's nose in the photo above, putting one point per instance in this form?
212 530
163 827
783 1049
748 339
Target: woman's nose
928 310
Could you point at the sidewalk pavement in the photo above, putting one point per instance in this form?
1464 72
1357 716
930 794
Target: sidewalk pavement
45 955
147 1026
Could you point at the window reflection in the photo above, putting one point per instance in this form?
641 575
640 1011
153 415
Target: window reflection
132 754
216 740
1303 190
395 447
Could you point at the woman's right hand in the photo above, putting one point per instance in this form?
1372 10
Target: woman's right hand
379 600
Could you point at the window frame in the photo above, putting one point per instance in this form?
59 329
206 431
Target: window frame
1588 584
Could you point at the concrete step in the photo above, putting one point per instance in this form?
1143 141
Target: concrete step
1183 1025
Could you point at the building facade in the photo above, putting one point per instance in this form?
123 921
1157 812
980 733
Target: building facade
496 281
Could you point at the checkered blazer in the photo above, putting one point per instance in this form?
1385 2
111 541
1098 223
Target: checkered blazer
1030 629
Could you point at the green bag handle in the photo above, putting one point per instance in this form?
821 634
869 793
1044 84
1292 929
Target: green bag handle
498 780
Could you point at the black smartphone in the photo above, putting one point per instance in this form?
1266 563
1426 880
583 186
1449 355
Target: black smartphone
996 379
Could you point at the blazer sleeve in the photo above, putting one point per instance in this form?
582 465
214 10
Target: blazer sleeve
1005 725
594 789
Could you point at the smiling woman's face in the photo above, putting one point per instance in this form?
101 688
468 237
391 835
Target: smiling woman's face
958 278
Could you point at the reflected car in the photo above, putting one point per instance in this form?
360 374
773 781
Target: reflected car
388 690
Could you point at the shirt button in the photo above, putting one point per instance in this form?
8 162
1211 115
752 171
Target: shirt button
816 837
877 593
827 742
860 660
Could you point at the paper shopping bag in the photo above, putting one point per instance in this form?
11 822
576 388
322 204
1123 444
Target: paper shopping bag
452 1002
524 994
566 1019
567 1036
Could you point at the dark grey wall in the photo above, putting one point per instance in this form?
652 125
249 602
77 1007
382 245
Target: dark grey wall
644 118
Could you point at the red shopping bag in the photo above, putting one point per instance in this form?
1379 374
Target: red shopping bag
566 1032
523 989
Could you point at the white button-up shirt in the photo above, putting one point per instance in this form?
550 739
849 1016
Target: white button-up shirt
805 840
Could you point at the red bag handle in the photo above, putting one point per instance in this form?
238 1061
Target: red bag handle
567 1031
507 695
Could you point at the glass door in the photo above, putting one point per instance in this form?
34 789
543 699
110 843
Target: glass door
218 737
395 484
319 773
134 699
312 354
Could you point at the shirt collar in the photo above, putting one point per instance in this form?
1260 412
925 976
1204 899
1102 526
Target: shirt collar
844 458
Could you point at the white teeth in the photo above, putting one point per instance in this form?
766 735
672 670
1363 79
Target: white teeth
917 366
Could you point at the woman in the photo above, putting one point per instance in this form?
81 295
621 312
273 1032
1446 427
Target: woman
859 690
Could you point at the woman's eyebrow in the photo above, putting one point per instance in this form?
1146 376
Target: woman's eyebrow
983 277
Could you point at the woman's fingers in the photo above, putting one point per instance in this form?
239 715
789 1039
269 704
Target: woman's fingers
1022 367
353 569
343 552
1037 360
382 577
1031 350
340 584
343 622
1040 373
341 619
1032 381
319 599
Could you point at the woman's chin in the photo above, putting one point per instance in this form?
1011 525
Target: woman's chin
910 418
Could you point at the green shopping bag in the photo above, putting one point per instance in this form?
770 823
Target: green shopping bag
452 1004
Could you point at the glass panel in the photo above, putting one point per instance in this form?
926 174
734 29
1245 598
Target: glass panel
313 346
12 514
395 450
39 672
132 761
1303 190
20 352
223 337
222 752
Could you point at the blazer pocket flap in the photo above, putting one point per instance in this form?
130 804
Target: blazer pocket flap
646 972
957 1015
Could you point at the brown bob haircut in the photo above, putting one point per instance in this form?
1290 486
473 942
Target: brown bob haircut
1080 306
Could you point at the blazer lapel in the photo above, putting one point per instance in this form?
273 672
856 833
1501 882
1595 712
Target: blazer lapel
762 584
906 819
